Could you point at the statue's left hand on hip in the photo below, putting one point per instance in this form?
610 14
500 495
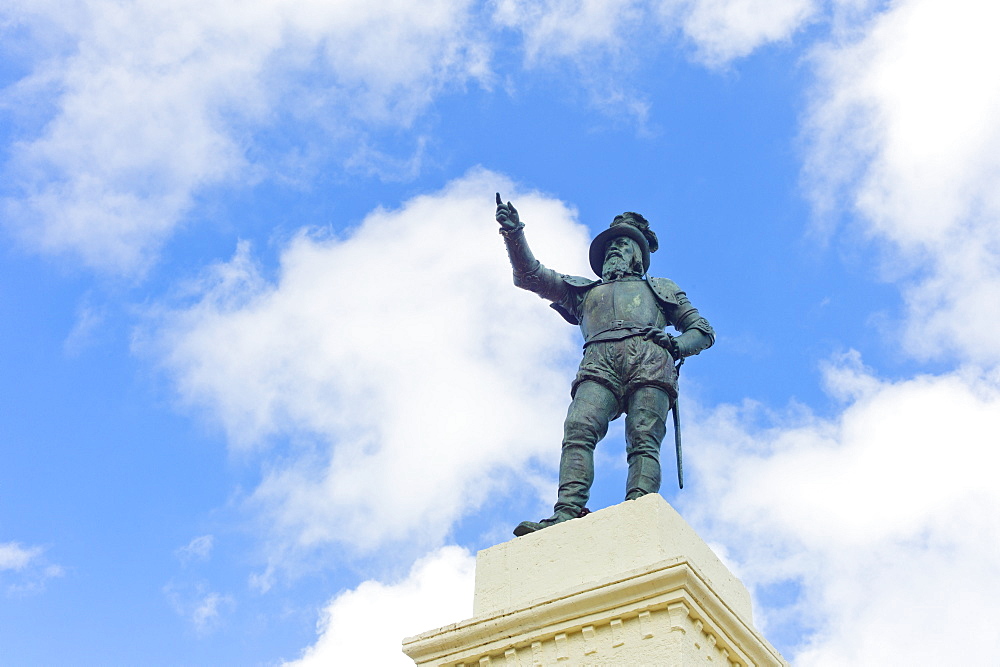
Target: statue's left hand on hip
664 340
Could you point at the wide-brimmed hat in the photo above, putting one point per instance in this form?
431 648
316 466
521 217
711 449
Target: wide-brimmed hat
631 225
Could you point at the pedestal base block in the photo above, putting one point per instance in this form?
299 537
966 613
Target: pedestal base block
629 585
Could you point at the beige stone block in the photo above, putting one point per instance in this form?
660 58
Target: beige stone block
630 585
633 535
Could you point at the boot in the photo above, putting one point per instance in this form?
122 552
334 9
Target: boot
643 477
586 423
526 527
576 474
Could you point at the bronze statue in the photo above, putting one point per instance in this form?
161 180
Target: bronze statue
628 359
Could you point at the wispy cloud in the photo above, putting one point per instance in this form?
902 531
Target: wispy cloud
204 609
13 556
149 103
206 613
605 41
573 28
198 549
720 30
139 108
24 569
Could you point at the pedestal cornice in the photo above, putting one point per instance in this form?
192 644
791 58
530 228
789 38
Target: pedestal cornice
665 612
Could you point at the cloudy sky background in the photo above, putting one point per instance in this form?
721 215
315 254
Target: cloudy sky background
267 386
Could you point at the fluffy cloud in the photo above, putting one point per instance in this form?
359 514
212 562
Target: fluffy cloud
885 515
13 556
723 30
133 110
147 100
366 625
406 373
906 125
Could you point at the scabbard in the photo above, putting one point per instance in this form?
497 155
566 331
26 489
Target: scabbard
677 443
677 429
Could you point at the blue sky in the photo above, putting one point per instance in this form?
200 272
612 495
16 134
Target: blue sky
265 377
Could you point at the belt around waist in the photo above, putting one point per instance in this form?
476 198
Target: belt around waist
623 326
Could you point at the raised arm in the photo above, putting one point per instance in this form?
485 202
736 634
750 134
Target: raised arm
529 273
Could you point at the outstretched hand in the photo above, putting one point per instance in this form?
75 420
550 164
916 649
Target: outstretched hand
507 215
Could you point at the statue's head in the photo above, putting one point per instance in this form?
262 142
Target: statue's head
633 227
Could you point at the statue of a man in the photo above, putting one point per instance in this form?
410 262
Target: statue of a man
628 358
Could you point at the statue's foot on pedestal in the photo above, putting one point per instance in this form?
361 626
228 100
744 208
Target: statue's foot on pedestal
526 527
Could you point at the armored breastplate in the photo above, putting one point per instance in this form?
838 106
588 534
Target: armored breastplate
612 311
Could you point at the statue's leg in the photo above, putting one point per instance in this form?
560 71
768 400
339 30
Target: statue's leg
645 426
593 407
586 424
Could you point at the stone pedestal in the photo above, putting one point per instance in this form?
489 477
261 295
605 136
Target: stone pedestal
628 585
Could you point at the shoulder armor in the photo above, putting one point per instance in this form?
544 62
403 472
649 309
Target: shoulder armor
579 281
665 289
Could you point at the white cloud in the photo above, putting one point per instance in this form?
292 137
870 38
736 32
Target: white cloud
721 30
200 548
206 613
148 100
13 556
25 570
367 625
598 39
138 108
407 374
560 28
906 124
887 515
606 40
85 331
202 608
724 30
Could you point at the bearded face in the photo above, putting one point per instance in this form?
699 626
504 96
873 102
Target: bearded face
622 258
